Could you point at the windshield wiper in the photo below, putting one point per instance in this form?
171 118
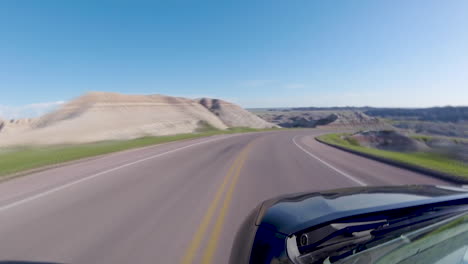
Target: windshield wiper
337 233
339 240
418 217
411 233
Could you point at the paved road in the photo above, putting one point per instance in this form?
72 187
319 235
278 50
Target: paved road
175 203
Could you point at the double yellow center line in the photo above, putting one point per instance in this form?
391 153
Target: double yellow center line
229 182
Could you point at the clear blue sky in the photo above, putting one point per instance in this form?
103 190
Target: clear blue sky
255 53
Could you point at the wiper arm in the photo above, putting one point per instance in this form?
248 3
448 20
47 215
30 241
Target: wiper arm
395 226
339 240
439 213
342 232
338 233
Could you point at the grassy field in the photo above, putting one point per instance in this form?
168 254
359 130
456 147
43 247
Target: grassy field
428 160
13 160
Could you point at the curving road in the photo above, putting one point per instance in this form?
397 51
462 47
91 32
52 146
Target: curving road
180 202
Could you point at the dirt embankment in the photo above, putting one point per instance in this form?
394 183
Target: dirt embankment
400 142
389 140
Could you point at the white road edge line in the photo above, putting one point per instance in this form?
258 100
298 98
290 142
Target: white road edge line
329 165
61 187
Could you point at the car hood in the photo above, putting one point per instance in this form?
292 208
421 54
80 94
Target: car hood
292 213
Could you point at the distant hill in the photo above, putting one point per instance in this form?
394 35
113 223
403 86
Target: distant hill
98 116
444 121
320 118
335 108
441 114
15 125
438 114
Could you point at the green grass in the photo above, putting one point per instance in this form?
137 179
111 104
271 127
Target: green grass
13 160
428 160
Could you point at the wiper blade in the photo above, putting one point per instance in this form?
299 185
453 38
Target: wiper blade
395 224
407 236
351 235
394 227
349 231
338 233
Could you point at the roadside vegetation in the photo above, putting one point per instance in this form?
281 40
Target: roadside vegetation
430 160
17 159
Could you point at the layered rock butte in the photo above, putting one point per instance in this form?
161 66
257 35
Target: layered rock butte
99 116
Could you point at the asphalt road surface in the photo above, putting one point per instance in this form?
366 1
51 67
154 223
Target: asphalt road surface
180 202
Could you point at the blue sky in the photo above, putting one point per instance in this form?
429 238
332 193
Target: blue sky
256 53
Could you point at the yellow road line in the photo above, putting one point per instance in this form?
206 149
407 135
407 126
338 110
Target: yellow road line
198 237
216 233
